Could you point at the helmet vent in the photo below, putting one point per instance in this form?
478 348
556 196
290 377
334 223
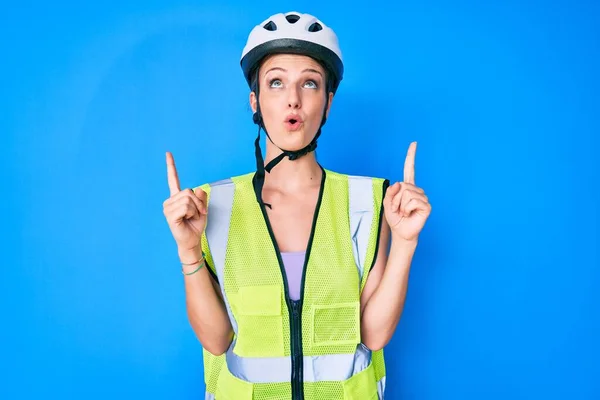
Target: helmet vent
292 18
270 26
315 27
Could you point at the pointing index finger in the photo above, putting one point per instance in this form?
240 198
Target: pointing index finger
172 177
409 164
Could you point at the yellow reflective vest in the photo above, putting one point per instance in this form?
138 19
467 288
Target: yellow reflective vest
284 349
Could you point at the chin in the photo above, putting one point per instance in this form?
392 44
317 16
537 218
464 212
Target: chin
293 145
290 140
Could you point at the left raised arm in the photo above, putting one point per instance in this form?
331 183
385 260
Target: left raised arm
406 209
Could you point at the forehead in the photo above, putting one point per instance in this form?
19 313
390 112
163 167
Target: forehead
291 63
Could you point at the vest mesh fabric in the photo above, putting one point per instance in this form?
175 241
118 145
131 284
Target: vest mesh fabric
331 302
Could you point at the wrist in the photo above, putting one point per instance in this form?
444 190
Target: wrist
189 256
405 244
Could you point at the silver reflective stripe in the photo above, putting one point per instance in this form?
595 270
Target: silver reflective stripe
381 388
209 396
334 367
361 216
217 231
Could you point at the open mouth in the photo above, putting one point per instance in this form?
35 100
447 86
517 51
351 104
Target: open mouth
293 123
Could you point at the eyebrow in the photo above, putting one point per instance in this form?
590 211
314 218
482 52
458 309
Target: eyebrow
304 70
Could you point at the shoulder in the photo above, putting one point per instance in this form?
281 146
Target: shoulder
377 182
343 175
237 180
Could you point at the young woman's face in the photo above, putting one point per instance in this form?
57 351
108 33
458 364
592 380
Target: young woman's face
292 99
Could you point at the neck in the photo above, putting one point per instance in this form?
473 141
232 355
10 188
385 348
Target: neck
290 176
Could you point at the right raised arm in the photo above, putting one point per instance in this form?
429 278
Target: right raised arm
186 212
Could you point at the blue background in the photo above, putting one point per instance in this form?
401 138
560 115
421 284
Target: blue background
502 97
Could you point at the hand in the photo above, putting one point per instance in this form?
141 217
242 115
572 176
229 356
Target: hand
185 211
406 206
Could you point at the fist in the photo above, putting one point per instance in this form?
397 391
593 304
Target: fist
185 211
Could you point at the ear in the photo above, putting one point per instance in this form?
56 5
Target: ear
329 105
253 101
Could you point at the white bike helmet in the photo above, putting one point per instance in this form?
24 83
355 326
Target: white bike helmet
295 33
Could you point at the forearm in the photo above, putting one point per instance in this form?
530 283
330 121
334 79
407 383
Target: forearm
206 311
384 308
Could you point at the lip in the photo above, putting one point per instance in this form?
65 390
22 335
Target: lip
296 117
296 124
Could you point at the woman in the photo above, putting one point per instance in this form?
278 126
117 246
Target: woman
299 294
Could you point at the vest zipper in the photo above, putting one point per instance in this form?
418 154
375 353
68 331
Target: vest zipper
296 333
297 362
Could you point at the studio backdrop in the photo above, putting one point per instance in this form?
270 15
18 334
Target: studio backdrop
502 98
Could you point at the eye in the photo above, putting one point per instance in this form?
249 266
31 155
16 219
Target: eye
311 84
275 83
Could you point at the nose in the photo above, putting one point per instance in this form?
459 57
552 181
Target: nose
294 98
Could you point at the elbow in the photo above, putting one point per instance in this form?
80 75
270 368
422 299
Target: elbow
215 350
216 343
217 347
374 346
377 342
215 338
376 338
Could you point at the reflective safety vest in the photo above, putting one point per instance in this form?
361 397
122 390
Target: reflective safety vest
283 349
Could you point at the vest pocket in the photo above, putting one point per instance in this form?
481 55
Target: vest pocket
335 324
361 386
231 388
260 323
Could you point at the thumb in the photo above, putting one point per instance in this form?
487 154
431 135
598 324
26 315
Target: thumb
201 195
390 193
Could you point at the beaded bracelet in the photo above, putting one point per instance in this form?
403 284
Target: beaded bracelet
194 271
202 261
